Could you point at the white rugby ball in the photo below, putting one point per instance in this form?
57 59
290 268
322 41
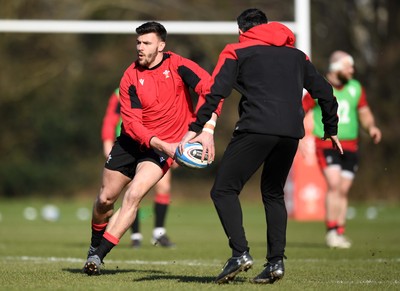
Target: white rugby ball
191 156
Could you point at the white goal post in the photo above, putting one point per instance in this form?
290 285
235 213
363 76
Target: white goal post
300 26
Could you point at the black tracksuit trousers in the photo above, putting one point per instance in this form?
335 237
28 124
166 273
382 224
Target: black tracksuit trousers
244 155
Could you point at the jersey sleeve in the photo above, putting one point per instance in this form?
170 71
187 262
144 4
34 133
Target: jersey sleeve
363 99
111 118
320 89
221 84
132 110
198 79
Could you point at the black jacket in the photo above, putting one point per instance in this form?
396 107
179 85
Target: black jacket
270 73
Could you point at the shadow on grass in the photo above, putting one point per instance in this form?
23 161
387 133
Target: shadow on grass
113 271
157 275
184 279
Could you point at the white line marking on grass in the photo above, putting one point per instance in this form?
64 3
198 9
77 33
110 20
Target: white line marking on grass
132 262
179 262
375 260
364 282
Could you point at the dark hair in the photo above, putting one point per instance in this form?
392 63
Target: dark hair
154 27
250 18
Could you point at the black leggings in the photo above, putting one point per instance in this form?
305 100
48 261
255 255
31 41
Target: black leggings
243 156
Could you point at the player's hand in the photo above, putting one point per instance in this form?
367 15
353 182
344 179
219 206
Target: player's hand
375 133
186 138
171 150
335 142
168 148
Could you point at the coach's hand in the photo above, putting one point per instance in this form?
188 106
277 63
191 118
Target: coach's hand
207 141
335 142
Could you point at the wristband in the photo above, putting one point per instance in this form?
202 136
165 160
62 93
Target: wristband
211 122
208 125
209 130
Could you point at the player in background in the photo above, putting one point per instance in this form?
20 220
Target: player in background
156 109
339 170
111 128
270 73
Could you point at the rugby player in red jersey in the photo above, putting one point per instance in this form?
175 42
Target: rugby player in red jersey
110 130
156 109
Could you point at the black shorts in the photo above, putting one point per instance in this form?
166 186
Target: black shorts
347 162
126 154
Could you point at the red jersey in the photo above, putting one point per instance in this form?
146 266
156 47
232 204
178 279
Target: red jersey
111 117
157 102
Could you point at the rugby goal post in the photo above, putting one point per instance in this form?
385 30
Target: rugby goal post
300 26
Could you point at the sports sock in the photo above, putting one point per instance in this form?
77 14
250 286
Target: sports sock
330 225
159 232
136 224
340 229
97 233
161 203
107 243
136 236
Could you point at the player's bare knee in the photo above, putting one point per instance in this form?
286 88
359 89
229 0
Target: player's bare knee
104 203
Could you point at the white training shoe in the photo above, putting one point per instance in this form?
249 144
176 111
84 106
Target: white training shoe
334 240
343 242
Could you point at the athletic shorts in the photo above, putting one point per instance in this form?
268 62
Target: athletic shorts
126 154
329 157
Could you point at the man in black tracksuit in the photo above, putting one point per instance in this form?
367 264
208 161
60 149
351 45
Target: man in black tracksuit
270 73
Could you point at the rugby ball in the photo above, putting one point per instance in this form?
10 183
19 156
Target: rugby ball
191 156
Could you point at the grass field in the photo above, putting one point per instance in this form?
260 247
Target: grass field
44 255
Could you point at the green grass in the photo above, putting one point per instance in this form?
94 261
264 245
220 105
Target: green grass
43 255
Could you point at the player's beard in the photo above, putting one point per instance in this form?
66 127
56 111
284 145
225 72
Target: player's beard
342 78
148 59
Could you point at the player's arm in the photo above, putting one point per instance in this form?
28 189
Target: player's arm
110 121
367 122
199 80
367 119
168 148
221 85
195 77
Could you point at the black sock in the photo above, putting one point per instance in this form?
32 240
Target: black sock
104 248
97 235
136 225
161 212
